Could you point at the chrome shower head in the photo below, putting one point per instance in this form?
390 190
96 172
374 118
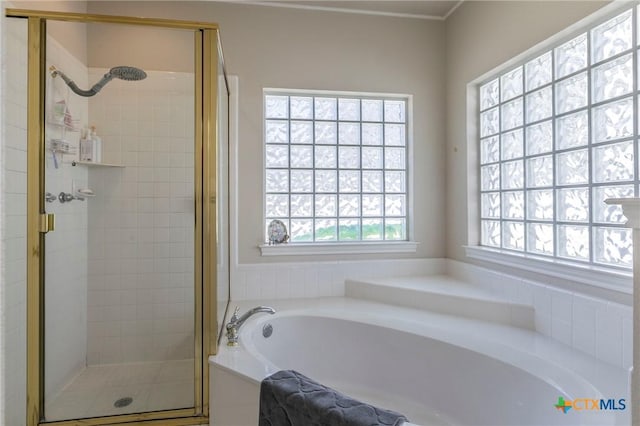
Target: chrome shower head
128 73
123 73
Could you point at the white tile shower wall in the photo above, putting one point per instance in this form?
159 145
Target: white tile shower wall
13 207
66 247
141 240
319 279
600 328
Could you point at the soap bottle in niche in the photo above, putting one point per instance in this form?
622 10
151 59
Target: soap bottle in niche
97 145
86 146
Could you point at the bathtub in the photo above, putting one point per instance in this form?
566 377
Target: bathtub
436 369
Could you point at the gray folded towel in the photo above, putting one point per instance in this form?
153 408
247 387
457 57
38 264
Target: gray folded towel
287 398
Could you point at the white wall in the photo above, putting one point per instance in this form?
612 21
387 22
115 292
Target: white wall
141 229
291 48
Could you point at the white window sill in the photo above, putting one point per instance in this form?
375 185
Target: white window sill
620 281
298 249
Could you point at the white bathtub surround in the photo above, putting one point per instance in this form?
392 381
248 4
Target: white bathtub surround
599 324
319 279
594 325
631 210
445 295
341 341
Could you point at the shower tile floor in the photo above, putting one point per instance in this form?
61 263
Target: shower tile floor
153 386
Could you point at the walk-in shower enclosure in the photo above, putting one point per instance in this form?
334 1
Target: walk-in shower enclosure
127 244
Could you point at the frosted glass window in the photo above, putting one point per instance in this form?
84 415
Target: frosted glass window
573 205
394 134
490 205
349 133
513 175
301 107
613 246
538 71
490 177
571 56
490 94
513 235
277 156
512 144
612 37
511 114
349 109
276 131
394 111
607 213
613 79
572 130
491 233
540 238
276 107
325 108
539 138
540 205
540 171
513 204
490 150
572 93
371 109
301 156
573 242
573 167
490 122
558 135
539 104
349 230
613 120
511 84
336 165
613 162
301 132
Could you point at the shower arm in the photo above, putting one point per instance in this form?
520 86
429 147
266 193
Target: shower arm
73 86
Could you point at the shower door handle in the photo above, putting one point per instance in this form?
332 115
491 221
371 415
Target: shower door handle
47 222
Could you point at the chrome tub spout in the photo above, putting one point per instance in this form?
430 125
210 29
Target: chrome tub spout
235 322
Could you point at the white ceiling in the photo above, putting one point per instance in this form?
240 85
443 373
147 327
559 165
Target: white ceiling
425 9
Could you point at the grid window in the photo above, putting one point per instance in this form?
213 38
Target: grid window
336 166
558 136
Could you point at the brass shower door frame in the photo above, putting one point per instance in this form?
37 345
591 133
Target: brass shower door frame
208 53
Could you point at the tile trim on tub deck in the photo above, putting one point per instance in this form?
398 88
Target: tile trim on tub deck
568 312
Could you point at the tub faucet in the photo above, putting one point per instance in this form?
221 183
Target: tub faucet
234 323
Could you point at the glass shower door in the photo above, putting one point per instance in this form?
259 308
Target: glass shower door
120 286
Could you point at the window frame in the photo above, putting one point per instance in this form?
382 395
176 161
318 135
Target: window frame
587 272
408 245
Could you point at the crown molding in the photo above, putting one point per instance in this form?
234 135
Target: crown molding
344 10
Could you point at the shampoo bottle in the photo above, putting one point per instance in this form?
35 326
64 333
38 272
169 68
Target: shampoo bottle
86 146
97 145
